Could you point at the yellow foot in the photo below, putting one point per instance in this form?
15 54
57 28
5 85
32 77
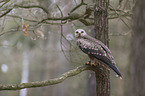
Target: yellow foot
93 64
88 63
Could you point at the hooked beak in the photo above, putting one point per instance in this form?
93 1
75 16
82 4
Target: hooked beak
79 34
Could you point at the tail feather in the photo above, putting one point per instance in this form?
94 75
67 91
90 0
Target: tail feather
114 68
109 63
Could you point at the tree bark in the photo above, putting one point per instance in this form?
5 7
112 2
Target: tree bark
101 33
137 78
91 84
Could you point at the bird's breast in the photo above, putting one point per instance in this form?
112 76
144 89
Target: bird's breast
84 42
85 45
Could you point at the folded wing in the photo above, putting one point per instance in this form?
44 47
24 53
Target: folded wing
97 51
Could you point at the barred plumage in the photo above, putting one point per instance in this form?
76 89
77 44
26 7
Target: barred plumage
95 50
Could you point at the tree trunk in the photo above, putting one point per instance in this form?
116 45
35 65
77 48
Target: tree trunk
101 33
137 78
91 84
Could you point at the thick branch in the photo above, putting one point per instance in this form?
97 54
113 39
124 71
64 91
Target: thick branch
50 81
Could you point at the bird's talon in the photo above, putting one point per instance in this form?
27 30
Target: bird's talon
93 64
88 63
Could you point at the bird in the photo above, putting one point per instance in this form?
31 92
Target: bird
96 51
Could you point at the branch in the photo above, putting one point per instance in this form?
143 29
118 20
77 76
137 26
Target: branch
48 82
10 31
78 6
20 6
32 6
20 17
65 19
9 10
5 2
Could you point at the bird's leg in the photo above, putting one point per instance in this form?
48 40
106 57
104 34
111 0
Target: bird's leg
89 62
93 63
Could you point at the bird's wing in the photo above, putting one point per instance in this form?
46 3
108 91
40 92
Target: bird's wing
97 51
99 42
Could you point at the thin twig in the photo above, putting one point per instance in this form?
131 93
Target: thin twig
4 4
78 6
61 27
5 13
32 6
11 31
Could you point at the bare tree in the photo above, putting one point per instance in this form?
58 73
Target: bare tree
33 23
137 78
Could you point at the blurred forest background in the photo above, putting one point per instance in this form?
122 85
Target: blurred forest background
37 43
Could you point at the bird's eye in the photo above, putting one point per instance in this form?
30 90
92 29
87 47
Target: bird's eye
77 32
82 31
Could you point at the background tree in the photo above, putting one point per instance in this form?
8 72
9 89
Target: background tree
137 80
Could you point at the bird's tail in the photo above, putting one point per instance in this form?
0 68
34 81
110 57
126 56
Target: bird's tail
115 70
110 64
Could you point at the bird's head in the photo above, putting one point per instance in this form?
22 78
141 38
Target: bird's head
80 33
